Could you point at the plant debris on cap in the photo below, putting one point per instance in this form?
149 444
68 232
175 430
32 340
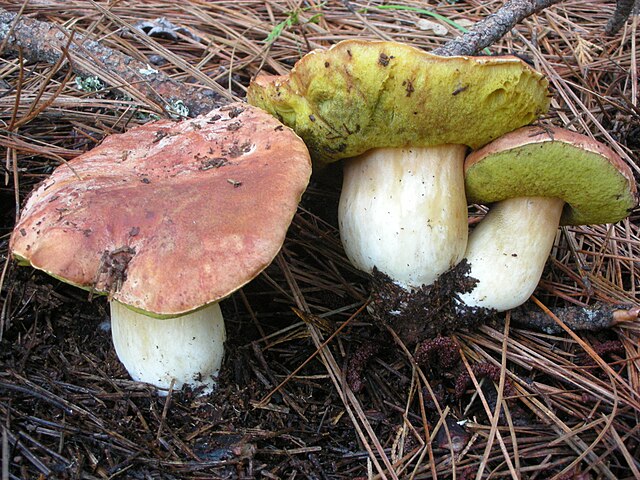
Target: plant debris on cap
169 216
596 184
359 95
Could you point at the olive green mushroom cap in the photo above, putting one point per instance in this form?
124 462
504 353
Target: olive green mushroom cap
596 184
359 95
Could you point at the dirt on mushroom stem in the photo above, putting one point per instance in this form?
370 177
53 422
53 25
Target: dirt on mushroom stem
427 311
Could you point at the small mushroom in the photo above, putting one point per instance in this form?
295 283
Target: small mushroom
405 118
539 179
150 219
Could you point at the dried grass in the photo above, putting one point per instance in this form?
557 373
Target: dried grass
284 408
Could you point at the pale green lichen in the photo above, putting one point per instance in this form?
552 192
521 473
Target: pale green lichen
595 191
360 95
177 109
147 71
88 84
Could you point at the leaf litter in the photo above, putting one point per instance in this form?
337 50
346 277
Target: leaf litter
311 391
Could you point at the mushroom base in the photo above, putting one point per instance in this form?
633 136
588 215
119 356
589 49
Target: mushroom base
187 350
404 211
508 250
425 312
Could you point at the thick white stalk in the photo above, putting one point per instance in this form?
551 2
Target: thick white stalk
188 348
508 249
404 211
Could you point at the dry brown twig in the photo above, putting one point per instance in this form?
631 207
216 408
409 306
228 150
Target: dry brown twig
493 27
45 42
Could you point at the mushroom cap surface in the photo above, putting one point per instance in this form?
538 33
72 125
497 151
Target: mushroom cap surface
359 95
596 184
169 216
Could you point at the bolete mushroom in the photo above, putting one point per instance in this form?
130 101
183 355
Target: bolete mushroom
405 118
168 219
540 178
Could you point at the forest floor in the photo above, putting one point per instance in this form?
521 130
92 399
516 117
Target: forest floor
311 386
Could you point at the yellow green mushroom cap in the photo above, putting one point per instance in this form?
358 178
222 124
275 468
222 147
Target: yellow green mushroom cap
596 184
359 95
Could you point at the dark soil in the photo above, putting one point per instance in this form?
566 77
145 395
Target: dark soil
428 311
72 412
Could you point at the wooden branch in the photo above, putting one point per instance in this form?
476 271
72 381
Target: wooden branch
45 42
598 317
493 27
621 14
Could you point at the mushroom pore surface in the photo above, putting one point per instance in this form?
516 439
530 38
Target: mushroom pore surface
538 179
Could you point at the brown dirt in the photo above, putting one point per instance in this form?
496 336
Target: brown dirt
427 311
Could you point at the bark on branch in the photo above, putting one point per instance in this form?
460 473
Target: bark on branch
598 317
42 41
621 14
493 27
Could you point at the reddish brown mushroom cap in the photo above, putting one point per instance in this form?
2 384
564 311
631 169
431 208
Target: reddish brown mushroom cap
169 216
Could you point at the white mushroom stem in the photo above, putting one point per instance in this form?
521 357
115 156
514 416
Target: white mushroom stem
508 250
186 349
404 211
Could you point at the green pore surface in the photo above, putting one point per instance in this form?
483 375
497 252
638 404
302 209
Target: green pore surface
360 95
595 191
